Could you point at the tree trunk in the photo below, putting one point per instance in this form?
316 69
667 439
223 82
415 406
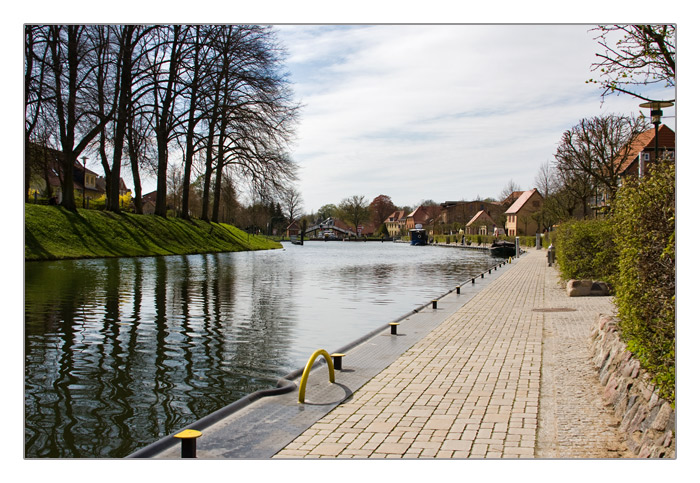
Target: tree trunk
164 125
126 48
105 167
191 124
27 167
162 173
217 191
207 177
134 159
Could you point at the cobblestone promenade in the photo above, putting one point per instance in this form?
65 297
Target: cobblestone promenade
500 378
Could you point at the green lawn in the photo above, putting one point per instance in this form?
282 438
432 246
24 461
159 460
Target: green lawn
52 233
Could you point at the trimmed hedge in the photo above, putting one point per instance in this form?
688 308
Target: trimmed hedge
586 250
634 249
645 235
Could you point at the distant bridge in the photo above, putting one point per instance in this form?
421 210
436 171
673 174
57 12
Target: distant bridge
329 224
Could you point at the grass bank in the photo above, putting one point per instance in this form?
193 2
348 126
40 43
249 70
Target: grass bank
52 233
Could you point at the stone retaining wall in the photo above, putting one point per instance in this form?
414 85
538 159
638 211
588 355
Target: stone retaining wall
648 422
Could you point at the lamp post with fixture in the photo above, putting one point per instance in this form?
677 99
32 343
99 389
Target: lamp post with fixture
656 114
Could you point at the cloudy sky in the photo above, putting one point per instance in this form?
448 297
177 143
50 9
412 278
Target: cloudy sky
441 112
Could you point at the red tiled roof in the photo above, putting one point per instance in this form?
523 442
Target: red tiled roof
149 196
420 215
645 140
397 215
511 198
520 202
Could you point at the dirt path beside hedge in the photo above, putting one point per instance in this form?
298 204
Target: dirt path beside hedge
573 420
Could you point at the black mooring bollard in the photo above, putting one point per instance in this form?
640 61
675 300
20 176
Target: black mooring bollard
435 304
473 280
458 289
393 326
188 437
338 361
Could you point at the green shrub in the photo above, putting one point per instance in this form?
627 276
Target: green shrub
644 231
585 249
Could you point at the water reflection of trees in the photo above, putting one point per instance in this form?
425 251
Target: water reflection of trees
122 352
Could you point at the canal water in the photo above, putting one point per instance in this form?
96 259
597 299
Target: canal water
122 352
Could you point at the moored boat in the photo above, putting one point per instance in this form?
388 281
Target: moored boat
502 248
418 236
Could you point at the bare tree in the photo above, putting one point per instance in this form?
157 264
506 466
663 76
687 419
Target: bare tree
138 143
597 146
218 92
258 116
69 69
200 59
544 182
34 98
572 191
250 116
508 190
165 62
291 204
354 210
635 55
115 46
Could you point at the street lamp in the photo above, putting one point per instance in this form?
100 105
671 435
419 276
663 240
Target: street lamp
656 114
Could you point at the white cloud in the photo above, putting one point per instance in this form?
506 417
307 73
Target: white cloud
435 111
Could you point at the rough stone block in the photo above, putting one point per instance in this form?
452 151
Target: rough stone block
648 422
579 288
662 418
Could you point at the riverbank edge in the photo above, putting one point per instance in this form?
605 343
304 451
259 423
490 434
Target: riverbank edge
54 233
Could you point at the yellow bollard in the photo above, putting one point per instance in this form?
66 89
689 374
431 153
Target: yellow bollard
189 442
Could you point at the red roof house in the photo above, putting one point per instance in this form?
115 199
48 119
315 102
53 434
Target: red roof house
643 149
520 220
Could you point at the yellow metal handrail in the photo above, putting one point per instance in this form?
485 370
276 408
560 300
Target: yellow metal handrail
307 369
